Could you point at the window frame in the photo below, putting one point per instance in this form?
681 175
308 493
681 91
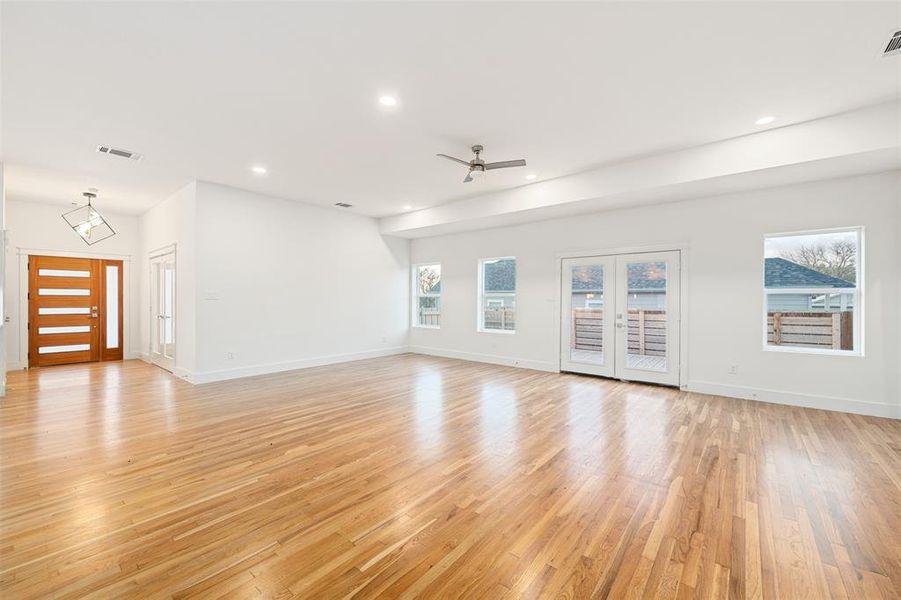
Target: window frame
414 304
857 293
480 294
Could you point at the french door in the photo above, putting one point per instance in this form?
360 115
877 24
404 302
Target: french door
621 316
162 310
74 310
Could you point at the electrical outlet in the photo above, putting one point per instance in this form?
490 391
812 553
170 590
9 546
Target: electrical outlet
230 356
733 369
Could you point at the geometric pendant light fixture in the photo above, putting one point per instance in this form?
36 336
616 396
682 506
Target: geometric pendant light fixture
87 222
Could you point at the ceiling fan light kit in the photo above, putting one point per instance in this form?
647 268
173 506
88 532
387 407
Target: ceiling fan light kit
477 166
88 223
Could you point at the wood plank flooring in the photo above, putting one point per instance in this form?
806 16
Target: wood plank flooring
414 476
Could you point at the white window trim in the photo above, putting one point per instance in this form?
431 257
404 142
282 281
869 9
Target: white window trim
480 321
858 292
414 289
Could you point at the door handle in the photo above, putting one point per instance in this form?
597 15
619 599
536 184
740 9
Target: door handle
94 312
620 325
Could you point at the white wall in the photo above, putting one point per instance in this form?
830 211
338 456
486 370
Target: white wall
172 222
283 285
725 270
37 228
3 328
898 301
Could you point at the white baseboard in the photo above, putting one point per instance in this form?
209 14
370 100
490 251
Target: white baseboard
251 370
181 373
15 366
538 365
858 407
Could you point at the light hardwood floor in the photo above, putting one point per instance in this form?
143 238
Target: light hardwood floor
417 476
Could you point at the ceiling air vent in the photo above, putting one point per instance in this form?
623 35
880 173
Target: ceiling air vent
894 45
119 152
343 204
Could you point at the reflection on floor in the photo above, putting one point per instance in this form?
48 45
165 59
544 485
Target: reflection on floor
413 476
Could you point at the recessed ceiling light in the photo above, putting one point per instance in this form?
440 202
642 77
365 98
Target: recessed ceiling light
388 101
531 176
258 170
407 207
765 120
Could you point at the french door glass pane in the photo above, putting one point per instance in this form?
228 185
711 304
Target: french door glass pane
646 307
168 300
587 306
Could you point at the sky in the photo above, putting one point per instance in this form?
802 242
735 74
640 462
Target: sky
775 246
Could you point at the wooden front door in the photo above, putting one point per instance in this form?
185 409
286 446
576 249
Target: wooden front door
74 310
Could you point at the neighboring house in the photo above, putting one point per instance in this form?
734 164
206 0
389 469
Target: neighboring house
647 287
500 284
782 273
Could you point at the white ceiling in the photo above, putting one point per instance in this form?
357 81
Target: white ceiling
205 90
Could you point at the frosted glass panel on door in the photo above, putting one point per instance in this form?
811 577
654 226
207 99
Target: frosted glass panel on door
64 329
67 348
646 307
112 306
63 273
75 310
63 292
587 306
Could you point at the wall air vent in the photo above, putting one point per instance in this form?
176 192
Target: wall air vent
119 152
343 204
894 45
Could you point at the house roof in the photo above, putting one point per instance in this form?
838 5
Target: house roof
651 277
642 277
500 275
783 273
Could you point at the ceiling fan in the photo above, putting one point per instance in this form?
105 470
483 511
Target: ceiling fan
477 166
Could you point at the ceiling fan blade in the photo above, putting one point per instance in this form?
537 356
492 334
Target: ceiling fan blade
468 177
505 163
459 160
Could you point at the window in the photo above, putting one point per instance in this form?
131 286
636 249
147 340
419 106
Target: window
427 296
497 295
812 292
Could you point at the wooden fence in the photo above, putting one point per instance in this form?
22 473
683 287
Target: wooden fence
430 317
646 331
588 329
500 318
811 329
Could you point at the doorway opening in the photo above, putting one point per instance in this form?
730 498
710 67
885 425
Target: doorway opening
75 310
621 316
162 310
